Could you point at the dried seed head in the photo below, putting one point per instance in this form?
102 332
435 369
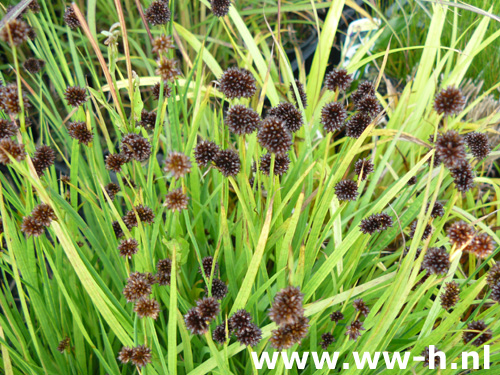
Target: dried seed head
346 190
369 105
195 323
167 90
34 6
43 214
333 116
177 164
220 7
412 181
426 355
70 18
237 83
477 331
33 65
287 306
78 130
219 289
436 261
289 114
460 233
63 345
242 120
449 101
427 231
250 336
365 88
451 295
228 162
299 329
478 144
43 159
363 168
239 321
274 136
75 95
338 79
450 148
164 268
281 338
463 176
148 119
114 162
301 92
147 308
205 152
32 227
370 225
141 356
384 221
327 339
19 31
112 189
437 210
206 267
354 330
336 316
135 146
138 287
219 334
125 355
167 69
176 200
144 213
281 163
162 44
357 125
208 308
8 149
9 99
158 13
128 247
7 128
360 305
482 245
117 229
495 293
493 277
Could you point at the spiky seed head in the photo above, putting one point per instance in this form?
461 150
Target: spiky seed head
177 164
493 277
427 231
147 308
242 120
437 210
208 308
128 247
250 336
449 101
299 329
287 306
338 79
333 116
369 105
9 99
144 213
426 355
281 163
206 267
125 355
158 13
148 119
164 266
360 305
477 331
162 44
288 113
141 356
240 321
228 162
482 245
7 128
70 18
281 338
436 261
385 221
219 334
33 65
176 200
336 316
363 167
357 125
43 159
195 323
412 181
135 146
370 225
463 176
34 6
138 287
75 95
112 189
63 345
450 148
451 295
460 233
478 144
8 149
43 214
117 229
167 90
346 190
31 227
114 162
167 69
78 130
274 136
219 289
220 7
19 31
301 92
327 339
237 83
495 293
365 88
354 330
205 152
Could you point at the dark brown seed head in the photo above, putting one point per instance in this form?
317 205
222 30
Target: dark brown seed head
370 225
449 101
289 114
144 213
176 200
301 92
148 119
281 338
167 90
495 293
363 168
162 44
412 181
141 356
357 125
138 287
493 277
242 120
219 334
369 105
78 130
436 261
177 164
164 266
8 149
437 210
228 162
206 266
220 7
451 295
158 13
287 306
426 355
31 227
478 144
208 308
338 79
9 99
427 231
240 321
365 88
219 289
477 331
346 190
482 245
128 247
360 305
450 148
326 340
19 32
281 163
205 152
117 229
34 6
274 136
7 128
135 146
195 323
250 336
75 95
460 233
63 345
237 83
112 189
43 214
125 355
354 330
463 176
336 316
299 329
43 159
333 116
147 308
114 162
167 69
384 221
70 18
33 65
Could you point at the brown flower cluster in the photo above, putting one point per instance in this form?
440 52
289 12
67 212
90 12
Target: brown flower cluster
40 218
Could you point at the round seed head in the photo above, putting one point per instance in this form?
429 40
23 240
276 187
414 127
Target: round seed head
250 336
63 345
449 101
357 125
117 229
176 200
365 88
287 306
333 116
289 114
427 231
78 130
493 277
9 99
463 176
8 149
281 338
7 128
31 227
167 69
338 79
482 245
370 225
426 355
219 334
206 266
495 293
369 105
346 190
205 152
144 213
450 148
274 136
147 308
162 44
436 261
33 65
237 83
412 181
281 163
158 13
208 308
451 295
219 289
460 233
70 18
299 329
240 321
167 90
128 247
114 162
363 168
43 159
75 96
19 31
384 220
125 355
138 287
177 164
195 323
354 330
141 356
477 331
34 6
327 339
228 162
148 119
437 210
301 92
220 7
478 144
242 120
360 305
135 146
336 316
164 266
43 214
112 189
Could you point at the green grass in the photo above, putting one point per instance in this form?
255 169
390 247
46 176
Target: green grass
289 230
